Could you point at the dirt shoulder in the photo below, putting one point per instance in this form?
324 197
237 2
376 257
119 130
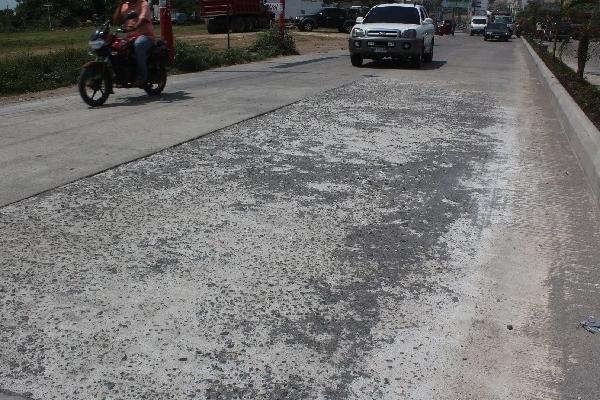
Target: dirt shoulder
306 42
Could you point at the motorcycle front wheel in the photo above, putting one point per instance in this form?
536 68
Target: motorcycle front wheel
93 86
155 88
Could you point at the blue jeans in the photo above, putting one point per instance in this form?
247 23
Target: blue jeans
141 46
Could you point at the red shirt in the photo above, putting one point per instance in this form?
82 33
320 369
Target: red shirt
142 9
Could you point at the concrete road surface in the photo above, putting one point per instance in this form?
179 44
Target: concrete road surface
392 233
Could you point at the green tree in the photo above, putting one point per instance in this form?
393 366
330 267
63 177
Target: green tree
587 12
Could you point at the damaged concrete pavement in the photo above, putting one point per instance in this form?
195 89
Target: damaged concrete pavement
411 234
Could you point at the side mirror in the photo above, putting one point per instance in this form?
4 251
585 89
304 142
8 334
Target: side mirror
131 15
427 21
359 20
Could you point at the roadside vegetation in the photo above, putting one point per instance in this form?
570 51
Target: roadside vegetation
584 93
28 72
34 70
584 18
268 44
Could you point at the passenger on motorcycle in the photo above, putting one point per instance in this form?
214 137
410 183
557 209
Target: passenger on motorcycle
139 28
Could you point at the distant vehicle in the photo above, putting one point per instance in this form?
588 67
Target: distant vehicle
179 18
240 15
397 31
477 25
445 27
506 19
496 31
341 19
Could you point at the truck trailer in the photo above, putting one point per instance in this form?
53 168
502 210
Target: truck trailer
237 15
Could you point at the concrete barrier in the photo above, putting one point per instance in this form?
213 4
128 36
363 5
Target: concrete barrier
583 135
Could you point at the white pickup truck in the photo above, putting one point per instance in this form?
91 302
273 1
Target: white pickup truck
400 31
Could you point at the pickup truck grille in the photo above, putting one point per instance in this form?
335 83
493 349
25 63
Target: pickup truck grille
382 33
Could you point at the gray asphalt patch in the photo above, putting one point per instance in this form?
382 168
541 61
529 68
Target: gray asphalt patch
262 261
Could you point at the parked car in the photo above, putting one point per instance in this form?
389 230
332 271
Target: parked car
496 31
341 19
445 27
397 31
477 25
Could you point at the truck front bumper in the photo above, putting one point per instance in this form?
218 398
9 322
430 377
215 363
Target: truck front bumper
374 48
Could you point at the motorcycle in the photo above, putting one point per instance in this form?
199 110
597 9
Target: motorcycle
115 65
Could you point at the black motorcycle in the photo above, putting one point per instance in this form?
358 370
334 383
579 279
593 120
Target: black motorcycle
115 65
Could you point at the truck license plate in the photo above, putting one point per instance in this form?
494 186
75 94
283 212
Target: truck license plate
380 50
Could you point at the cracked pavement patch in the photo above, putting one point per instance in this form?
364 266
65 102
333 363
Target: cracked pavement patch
267 260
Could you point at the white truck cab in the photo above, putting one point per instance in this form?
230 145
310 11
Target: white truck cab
399 31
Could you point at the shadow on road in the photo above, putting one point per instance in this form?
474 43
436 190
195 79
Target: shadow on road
165 98
394 64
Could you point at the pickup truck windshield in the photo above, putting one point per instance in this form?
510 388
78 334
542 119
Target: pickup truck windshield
506 20
393 15
497 26
479 21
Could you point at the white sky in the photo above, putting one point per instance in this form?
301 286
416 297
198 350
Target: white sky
11 3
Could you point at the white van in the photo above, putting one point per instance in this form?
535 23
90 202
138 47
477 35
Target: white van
478 24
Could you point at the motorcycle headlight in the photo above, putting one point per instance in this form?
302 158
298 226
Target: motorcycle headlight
409 34
96 44
358 32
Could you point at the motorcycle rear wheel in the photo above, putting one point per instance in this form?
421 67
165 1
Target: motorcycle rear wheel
156 88
91 82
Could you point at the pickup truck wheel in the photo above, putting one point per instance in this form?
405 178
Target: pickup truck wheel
212 27
250 23
356 60
429 56
308 26
418 59
238 25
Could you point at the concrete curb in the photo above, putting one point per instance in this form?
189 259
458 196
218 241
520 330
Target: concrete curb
582 133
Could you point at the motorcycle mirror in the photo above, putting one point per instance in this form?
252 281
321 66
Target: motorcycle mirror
131 15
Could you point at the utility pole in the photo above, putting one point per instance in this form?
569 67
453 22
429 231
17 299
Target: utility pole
166 29
48 6
281 20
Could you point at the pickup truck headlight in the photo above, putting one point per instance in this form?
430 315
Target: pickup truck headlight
357 32
409 34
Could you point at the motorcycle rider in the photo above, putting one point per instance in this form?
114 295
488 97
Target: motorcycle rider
139 28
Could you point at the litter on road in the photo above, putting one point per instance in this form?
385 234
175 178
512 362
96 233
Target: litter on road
591 325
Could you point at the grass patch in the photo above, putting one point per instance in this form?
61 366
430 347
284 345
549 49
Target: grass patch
48 41
586 95
34 72
28 72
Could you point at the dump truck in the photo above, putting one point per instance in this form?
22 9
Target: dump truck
236 15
